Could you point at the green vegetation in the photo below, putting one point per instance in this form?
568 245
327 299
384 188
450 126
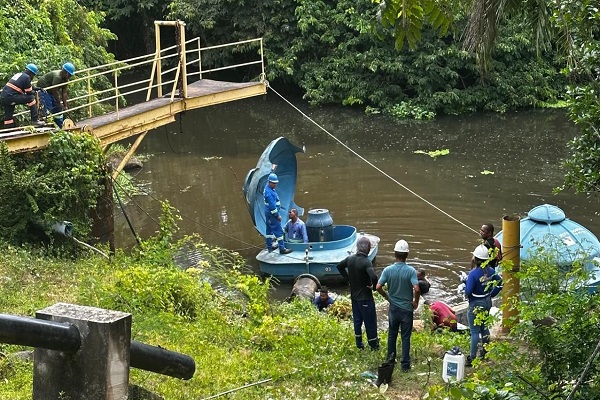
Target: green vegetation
60 183
434 153
337 53
460 57
579 22
222 316
215 312
49 33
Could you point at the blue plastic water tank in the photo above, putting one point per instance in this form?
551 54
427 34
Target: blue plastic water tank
319 225
546 224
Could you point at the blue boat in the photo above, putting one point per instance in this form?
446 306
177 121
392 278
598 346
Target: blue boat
328 243
546 225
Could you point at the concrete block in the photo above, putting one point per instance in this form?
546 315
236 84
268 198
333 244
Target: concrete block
99 370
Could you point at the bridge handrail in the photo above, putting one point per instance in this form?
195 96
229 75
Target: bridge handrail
117 96
156 82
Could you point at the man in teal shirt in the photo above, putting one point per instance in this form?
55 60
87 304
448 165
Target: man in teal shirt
403 296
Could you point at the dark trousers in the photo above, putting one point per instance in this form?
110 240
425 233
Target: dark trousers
363 311
9 103
50 105
400 320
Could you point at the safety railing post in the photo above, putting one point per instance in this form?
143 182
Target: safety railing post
89 97
199 59
183 59
262 60
116 80
105 346
158 60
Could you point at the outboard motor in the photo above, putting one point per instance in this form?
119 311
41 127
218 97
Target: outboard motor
319 225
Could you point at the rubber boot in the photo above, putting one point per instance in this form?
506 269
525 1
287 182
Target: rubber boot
384 373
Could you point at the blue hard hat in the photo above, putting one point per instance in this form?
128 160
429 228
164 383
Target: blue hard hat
273 178
70 68
32 68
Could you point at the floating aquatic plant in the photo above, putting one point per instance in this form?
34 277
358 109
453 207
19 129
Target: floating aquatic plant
435 153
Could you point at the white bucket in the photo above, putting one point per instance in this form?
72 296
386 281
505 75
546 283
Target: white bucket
454 367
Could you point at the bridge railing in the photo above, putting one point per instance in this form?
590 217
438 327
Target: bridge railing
102 89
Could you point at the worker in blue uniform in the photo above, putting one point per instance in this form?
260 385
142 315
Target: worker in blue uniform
272 217
19 90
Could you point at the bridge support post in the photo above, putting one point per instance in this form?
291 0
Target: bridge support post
103 228
99 370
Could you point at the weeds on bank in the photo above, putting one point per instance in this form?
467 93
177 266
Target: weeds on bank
217 314
223 317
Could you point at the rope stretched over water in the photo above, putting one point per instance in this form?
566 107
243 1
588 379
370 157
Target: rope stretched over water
371 164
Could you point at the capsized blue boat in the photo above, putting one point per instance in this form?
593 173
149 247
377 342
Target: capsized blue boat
328 243
547 225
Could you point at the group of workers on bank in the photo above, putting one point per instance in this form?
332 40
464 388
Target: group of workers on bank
51 88
404 285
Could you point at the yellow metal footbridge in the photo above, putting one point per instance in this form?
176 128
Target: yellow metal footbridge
167 92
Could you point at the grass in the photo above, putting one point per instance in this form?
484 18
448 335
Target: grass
221 317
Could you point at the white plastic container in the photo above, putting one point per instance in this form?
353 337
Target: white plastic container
454 367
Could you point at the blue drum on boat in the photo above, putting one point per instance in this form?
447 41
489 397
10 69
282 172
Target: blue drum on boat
319 225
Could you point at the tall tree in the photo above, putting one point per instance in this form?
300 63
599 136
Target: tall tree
133 21
408 17
574 26
579 23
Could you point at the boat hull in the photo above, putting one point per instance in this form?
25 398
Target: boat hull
315 258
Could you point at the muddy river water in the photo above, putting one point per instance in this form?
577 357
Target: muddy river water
496 165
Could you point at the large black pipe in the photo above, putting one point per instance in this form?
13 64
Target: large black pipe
34 332
63 336
159 360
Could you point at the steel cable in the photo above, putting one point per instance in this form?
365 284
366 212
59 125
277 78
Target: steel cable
371 164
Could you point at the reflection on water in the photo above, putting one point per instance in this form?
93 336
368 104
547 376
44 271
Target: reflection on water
199 164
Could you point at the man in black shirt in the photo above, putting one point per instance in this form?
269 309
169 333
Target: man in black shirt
19 90
359 270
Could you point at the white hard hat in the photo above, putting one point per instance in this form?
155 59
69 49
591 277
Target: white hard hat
401 246
481 252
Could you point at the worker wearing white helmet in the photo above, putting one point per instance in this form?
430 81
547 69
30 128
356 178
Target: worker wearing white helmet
273 218
403 294
56 84
482 284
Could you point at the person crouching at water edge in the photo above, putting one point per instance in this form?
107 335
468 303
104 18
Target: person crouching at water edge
358 269
272 217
